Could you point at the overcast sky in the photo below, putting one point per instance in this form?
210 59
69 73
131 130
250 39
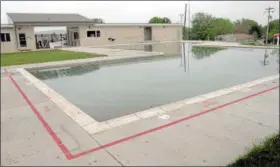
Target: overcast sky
142 11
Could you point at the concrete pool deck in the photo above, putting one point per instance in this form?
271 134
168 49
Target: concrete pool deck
215 131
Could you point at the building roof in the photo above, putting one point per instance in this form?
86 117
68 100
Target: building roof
46 18
243 36
60 19
136 24
7 26
237 36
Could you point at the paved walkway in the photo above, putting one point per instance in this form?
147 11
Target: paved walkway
35 132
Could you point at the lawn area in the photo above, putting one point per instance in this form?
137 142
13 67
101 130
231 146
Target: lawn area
264 155
42 56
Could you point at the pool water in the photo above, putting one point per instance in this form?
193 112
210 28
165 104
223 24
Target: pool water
107 92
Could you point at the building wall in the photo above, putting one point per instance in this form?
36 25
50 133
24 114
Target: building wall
120 34
8 47
128 34
30 37
164 33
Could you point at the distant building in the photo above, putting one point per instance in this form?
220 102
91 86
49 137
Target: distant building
235 38
276 36
81 31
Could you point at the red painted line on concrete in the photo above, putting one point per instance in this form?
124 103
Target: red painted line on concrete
56 139
169 124
70 156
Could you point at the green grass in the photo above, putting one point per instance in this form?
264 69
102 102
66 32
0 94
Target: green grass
42 56
264 155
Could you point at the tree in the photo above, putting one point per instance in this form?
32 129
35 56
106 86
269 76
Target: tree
243 25
222 26
202 24
98 20
205 26
160 20
256 31
274 28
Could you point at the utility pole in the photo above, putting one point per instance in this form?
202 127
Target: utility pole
268 10
184 32
189 20
185 19
181 18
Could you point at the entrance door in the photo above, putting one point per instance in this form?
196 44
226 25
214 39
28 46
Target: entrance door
22 40
73 36
147 33
76 38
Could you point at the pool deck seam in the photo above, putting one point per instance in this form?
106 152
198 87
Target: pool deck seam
91 126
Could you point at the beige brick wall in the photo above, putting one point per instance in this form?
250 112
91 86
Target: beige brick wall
161 33
120 34
128 34
8 47
30 36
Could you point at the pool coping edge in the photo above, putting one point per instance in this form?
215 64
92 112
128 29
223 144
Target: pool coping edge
91 126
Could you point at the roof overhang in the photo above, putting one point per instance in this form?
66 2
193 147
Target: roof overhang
276 35
137 24
53 24
7 26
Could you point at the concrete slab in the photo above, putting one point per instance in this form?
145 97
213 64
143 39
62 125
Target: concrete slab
25 141
214 138
10 97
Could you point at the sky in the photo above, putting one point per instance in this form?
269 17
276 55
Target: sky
142 11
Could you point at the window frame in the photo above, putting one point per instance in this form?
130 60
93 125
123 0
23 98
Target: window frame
93 34
5 37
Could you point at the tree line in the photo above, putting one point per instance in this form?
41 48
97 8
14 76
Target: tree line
207 27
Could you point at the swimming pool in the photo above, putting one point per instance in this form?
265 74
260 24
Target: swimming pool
109 91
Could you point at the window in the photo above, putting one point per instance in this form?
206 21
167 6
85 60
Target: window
5 37
90 33
93 33
98 33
